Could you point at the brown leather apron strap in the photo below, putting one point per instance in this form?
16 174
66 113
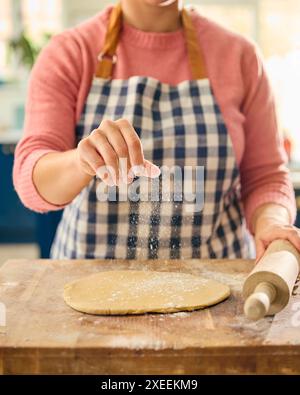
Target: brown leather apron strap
107 57
195 55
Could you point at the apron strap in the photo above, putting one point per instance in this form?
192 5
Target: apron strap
195 55
107 58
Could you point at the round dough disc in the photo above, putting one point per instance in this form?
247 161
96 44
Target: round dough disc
138 292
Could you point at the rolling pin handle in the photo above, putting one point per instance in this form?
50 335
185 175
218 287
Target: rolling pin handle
258 304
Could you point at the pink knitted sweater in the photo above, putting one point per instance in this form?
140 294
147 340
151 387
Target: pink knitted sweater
61 79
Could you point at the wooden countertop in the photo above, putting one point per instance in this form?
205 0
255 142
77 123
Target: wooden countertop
43 335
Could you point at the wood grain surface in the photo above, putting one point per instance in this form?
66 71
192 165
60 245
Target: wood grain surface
43 335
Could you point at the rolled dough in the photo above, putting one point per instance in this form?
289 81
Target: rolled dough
138 292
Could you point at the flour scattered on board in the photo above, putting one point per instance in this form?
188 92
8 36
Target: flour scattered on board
8 285
234 281
136 342
181 314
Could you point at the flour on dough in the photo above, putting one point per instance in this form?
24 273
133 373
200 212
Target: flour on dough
137 292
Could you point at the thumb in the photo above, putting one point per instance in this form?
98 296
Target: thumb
260 250
152 170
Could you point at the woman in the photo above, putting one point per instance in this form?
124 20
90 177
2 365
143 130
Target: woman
169 88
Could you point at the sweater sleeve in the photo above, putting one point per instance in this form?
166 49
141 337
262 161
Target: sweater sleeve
50 115
265 176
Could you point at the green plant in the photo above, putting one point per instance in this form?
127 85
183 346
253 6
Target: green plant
25 49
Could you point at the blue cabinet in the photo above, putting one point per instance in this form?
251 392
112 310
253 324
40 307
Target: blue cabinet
18 224
46 225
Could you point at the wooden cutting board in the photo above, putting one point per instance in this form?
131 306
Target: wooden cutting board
43 335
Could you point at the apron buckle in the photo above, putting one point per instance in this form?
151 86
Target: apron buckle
104 56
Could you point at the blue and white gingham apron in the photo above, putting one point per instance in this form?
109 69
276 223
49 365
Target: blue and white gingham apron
178 125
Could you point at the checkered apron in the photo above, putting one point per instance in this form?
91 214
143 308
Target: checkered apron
178 125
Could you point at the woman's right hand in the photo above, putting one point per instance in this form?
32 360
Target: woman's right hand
114 153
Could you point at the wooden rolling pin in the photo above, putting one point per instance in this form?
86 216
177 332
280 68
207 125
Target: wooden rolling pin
268 288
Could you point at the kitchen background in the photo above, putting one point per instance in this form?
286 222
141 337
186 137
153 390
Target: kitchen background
25 27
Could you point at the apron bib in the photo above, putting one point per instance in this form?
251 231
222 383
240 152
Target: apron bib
180 126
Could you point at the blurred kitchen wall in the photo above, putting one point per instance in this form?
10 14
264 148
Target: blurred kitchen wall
74 11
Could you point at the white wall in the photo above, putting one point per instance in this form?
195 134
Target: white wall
75 11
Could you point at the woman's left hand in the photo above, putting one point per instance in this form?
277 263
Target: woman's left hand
268 231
